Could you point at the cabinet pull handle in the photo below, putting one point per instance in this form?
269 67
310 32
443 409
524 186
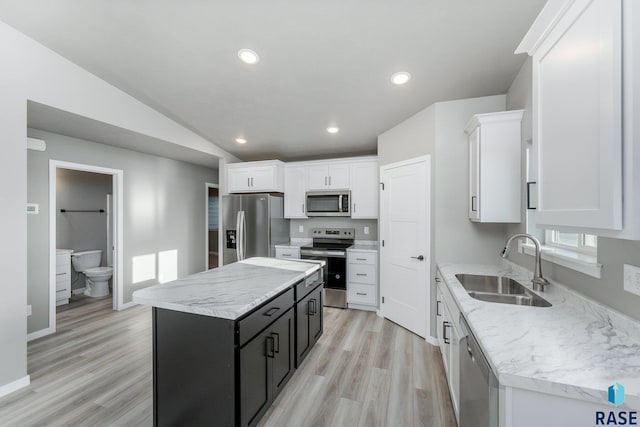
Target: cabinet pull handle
60 274
438 308
248 182
473 204
361 293
61 290
303 208
271 311
354 208
277 341
311 307
361 259
325 181
445 338
289 255
438 280
269 347
361 274
329 180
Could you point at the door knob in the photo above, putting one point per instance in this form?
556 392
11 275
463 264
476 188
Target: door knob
419 257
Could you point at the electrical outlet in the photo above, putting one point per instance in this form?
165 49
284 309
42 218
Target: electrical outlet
301 229
29 312
632 279
366 230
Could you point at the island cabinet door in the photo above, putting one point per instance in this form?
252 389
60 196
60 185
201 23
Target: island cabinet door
255 381
283 352
309 323
315 315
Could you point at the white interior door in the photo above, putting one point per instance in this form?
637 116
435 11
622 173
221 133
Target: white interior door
405 257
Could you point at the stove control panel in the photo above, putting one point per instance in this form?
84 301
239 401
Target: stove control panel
335 233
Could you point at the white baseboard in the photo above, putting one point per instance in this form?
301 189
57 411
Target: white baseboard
127 305
15 385
433 341
39 334
362 307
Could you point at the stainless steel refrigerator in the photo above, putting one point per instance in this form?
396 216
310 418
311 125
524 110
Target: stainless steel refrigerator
252 224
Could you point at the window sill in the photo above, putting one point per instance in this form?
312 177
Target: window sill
587 264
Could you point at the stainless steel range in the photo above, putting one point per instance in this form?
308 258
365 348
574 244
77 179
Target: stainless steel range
330 245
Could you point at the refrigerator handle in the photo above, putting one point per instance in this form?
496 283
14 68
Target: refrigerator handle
244 236
238 235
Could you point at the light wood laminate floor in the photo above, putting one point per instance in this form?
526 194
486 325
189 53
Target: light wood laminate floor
96 371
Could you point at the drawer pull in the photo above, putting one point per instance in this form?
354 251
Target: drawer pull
289 255
62 290
311 307
271 311
361 259
61 274
361 293
361 274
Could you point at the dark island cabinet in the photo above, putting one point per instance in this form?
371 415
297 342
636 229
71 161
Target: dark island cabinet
308 323
209 371
266 363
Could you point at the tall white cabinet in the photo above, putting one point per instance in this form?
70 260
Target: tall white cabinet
585 87
494 166
295 190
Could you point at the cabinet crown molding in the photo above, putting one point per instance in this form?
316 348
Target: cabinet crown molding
500 116
546 21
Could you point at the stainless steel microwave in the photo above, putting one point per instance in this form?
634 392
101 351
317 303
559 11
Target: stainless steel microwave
328 203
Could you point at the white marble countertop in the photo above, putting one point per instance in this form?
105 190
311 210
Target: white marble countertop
364 247
229 291
576 348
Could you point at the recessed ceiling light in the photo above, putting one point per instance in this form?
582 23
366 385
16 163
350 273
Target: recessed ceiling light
400 78
241 140
248 56
333 129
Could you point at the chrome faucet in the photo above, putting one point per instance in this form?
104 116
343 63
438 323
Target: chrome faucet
538 281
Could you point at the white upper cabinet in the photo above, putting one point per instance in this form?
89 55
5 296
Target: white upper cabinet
254 177
295 191
325 176
578 111
364 189
494 166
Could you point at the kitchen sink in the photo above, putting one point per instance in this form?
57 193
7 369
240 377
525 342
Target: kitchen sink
503 290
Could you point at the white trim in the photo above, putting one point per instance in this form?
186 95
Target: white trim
78 291
542 26
127 305
36 144
362 307
207 186
587 264
118 262
433 341
15 385
39 334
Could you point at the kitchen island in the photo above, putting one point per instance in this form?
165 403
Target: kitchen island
226 341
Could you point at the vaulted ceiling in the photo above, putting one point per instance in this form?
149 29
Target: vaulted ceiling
321 63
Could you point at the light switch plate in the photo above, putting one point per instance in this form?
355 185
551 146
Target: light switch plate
366 230
33 208
301 229
631 279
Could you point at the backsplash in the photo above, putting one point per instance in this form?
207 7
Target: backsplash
329 222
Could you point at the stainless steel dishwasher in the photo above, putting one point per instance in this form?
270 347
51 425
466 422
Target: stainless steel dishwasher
478 384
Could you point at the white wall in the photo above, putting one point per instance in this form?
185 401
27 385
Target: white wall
438 130
164 210
30 71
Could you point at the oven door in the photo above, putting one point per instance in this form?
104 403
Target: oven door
322 203
335 279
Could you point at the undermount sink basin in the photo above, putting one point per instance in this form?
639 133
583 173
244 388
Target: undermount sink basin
503 290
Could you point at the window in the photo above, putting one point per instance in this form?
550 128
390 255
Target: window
583 243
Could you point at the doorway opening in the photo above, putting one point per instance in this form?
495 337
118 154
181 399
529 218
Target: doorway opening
85 236
212 226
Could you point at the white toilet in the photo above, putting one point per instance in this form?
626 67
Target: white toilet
97 278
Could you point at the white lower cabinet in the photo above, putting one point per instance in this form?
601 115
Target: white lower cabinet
449 334
288 252
362 279
63 278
